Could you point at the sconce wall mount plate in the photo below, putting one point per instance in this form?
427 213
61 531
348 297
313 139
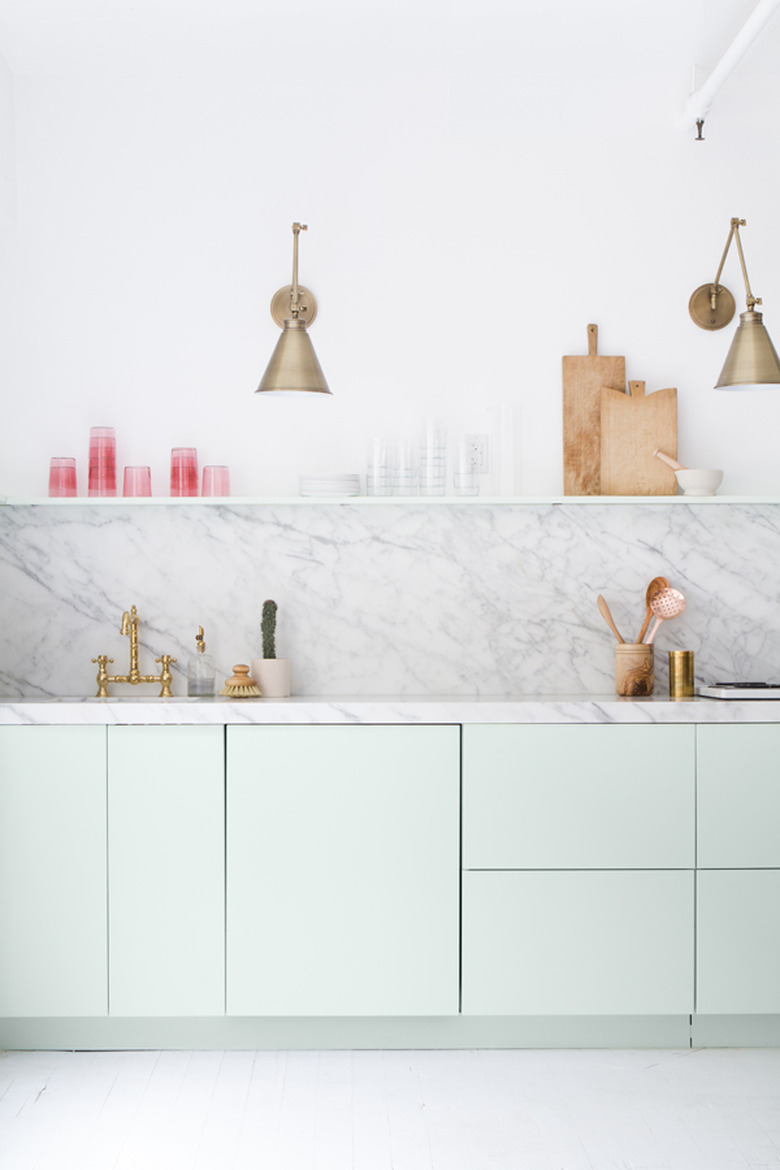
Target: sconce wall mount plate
280 305
712 306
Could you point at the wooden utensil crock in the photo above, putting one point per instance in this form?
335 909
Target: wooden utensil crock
634 669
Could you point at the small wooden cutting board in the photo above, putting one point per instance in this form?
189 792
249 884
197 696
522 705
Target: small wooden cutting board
583 378
632 426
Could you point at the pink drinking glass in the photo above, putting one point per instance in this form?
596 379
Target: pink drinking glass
102 461
184 471
62 476
137 481
216 481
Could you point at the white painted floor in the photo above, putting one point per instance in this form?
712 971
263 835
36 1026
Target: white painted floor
713 1109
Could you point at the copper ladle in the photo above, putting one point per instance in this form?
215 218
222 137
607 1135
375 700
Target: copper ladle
666 604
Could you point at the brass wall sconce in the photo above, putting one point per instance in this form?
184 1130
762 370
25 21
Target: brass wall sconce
293 367
751 363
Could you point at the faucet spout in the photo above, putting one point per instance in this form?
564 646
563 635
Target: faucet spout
130 626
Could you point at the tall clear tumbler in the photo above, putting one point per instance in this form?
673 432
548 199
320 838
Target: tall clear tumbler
433 458
379 466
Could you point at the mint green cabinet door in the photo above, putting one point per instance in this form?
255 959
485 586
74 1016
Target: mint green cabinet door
578 796
343 870
53 871
166 870
587 943
739 796
738 942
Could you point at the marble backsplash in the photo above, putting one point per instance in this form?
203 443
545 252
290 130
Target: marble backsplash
396 599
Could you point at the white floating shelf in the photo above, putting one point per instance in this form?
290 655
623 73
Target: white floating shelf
369 501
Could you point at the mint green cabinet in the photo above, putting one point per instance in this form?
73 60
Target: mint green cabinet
738 942
166 871
52 871
578 884
343 870
738 884
327 878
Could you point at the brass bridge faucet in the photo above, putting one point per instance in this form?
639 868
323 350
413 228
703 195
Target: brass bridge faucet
164 678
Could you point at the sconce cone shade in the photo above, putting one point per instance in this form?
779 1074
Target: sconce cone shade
752 362
293 365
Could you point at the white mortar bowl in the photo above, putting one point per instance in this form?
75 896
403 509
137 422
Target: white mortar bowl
698 481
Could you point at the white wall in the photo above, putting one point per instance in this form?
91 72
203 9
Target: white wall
480 182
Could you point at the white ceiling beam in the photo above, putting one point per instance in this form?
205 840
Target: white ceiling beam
700 102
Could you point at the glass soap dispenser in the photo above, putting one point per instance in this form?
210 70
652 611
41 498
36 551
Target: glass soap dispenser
200 668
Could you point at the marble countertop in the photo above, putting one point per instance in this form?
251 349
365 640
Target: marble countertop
388 709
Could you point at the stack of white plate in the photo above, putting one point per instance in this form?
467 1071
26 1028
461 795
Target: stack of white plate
329 485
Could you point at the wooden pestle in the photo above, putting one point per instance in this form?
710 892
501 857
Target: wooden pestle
667 459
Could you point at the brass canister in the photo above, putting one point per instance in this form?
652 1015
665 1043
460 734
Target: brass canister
681 674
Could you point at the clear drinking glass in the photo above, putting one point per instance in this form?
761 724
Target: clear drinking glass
433 458
464 478
404 468
62 476
379 467
137 481
102 461
184 471
216 480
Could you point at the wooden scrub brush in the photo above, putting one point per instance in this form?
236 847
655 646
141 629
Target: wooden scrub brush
240 686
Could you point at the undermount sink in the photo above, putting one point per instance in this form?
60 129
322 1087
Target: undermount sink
124 699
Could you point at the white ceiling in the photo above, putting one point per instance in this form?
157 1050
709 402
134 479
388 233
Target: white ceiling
64 36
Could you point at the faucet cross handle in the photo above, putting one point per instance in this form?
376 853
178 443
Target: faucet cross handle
166 678
102 661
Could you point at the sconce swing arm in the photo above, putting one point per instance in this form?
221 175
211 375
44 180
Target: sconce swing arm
712 305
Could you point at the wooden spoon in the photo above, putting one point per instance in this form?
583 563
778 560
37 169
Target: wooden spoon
656 584
607 616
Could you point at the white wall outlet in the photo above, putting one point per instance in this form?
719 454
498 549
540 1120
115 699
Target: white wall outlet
478 447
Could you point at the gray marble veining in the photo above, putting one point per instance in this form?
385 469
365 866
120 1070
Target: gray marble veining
493 600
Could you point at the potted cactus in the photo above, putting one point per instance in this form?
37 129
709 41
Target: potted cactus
271 674
268 628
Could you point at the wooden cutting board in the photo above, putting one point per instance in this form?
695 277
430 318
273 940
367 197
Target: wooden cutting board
632 426
583 378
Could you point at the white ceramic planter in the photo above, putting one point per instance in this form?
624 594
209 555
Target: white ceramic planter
272 675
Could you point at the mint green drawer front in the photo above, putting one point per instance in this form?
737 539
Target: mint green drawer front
587 943
578 796
739 796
